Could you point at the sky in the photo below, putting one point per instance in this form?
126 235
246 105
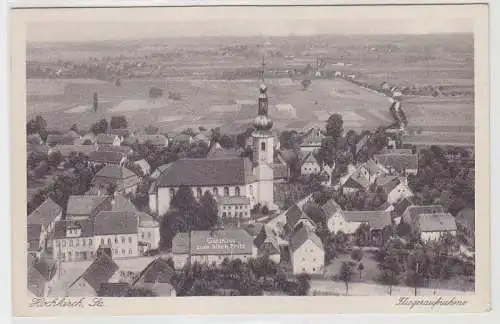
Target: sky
122 24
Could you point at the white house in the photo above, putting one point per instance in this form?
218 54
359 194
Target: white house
307 253
148 232
433 226
46 215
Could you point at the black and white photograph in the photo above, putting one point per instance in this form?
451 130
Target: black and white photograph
263 155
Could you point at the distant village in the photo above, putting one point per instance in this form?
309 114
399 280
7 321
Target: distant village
124 213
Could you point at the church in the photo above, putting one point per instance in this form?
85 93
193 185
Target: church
228 179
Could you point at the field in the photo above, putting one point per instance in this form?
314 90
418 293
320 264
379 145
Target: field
195 69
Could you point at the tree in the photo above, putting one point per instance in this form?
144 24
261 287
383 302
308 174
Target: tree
54 159
151 130
328 151
417 269
185 202
357 254
111 189
390 270
226 142
36 125
361 267
362 234
304 284
334 126
100 127
305 84
346 273
118 122
95 101
207 215
287 139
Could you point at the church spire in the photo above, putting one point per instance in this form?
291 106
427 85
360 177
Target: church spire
262 121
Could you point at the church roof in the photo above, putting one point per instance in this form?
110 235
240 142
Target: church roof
207 172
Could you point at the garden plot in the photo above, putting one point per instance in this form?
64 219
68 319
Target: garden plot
138 104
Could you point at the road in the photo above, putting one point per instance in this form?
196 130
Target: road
371 289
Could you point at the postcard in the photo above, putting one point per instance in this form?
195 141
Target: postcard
250 160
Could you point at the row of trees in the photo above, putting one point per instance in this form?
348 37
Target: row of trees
253 277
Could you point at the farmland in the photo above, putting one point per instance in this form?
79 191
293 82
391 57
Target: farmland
216 82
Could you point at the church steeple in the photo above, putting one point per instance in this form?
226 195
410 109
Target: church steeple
262 121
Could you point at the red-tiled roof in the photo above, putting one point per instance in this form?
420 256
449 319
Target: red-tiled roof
99 272
207 172
330 208
301 235
115 223
84 205
106 157
436 222
399 162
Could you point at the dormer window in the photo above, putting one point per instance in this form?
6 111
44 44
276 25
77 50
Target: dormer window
263 146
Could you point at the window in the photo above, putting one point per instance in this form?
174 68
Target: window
314 259
109 241
251 189
303 269
172 193
64 256
116 239
69 256
149 235
59 244
70 242
64 243
91 253
303 259
123 240
237 191
199 192
102 241
241 214
226 191
314 269
116 251
215 191
142 235
224 214
77 243
123 251
130 239
83 242
130 251
263 146
229 214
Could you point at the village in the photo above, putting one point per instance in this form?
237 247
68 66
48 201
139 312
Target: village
126 212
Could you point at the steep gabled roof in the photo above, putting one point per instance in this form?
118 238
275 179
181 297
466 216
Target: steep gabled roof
115 223
84 205
309 158
436 222
267 241
99 272
207 172
159 170
159 270
301 235
399 162
46 213
414 211
115 172
376 219
293 214
106 157
122 204
330 208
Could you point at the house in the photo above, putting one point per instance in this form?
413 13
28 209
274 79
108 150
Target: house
124 150
236 207
351 220
89 283
119 230
399 164
122 133
363 176
395 188
202 138
310 165
312 140
433 226
86 207
74 241
307 253
399 209
54 139
331 210
465 221
102 157
124 180
148 231
108 140
45 215
66 150
267 244
411 213
87 139
34 239
326 174
212 246
156 140
295 216
157 276
41 276
159 170
144 165
183 139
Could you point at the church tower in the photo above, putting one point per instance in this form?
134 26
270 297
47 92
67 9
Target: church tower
263 150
